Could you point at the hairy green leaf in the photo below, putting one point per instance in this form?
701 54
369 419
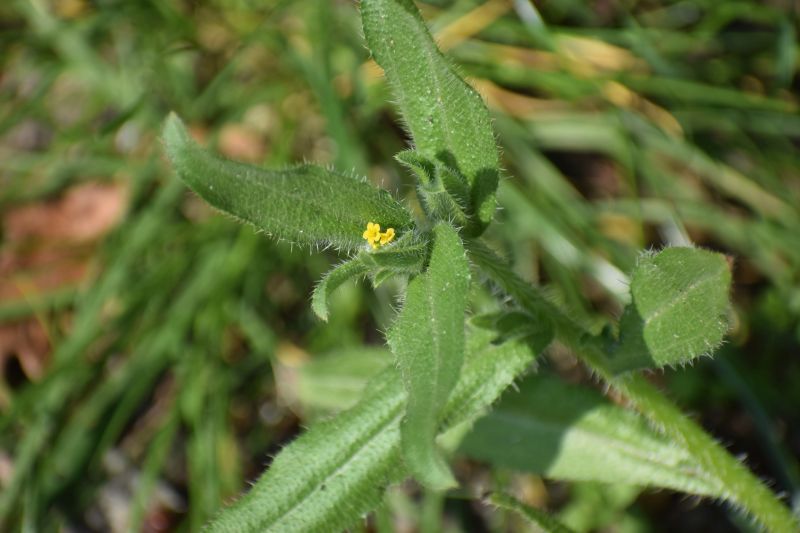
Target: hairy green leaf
332 474
568 432
332 280
381 276
421 166
335 473
405 256
680 301
455 184
441 206
446 117
444 192
536 517
306 204
428 341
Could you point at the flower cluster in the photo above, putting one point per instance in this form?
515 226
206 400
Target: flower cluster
374 236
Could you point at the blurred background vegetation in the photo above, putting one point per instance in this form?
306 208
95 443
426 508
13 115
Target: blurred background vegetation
155 355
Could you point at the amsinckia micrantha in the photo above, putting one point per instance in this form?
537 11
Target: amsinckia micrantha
374 236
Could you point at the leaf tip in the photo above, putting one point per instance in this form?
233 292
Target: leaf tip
319 300
174 130
175 138
321 310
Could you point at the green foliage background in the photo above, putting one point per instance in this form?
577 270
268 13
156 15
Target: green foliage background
188 354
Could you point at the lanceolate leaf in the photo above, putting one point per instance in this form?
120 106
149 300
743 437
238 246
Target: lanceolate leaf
335 473
455 184
331 475
567 432
428 341
444 192
447 118
467 405
332 280
441 205
680 301
306 204
422 167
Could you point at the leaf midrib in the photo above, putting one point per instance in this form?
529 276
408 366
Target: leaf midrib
672 302
430 57
436 341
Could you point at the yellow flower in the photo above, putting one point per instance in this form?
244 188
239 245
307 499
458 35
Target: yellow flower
374 236
373 232
387 236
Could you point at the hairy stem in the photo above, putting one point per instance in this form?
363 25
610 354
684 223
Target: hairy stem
743 489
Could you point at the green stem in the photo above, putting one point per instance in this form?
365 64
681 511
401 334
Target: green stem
737 484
